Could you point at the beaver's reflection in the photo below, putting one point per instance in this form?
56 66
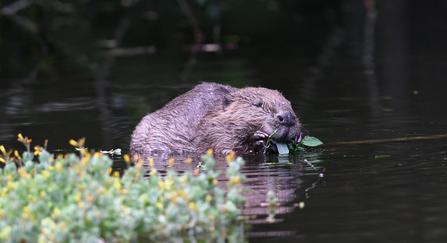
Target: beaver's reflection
263 174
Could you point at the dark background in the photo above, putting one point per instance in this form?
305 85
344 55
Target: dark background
353 70
101 65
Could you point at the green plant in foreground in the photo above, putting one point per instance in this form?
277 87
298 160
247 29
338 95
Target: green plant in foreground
71 198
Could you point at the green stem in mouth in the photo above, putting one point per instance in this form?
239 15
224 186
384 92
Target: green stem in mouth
272 134
268 141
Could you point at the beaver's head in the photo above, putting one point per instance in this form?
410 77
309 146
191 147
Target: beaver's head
255 115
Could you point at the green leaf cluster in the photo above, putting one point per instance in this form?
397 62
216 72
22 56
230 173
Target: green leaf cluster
73 198
306 142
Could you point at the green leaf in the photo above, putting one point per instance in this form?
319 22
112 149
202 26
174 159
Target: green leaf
311 142
282 148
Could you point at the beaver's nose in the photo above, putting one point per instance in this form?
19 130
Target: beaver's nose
286 118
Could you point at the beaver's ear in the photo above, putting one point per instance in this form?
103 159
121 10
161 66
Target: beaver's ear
257 102
226 101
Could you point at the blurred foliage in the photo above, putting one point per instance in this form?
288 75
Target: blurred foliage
43 38
70 198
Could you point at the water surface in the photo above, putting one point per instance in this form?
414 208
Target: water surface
378 191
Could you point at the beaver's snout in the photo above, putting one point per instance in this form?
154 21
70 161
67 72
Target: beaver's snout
286 118
287 127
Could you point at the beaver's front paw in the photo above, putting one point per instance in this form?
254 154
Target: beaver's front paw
260 140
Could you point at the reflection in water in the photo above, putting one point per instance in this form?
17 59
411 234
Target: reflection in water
279 178
368 59
102 74
315 74
392 47
15 106
278 174
18 100
79 103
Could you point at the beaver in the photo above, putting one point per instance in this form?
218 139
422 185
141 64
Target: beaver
218 117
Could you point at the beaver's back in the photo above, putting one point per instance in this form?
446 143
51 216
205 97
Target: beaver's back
172 128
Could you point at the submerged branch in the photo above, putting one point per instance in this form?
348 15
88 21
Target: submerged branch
438 136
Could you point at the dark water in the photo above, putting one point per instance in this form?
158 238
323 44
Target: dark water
351 88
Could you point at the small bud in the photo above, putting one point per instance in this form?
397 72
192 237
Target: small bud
10 185
192 206
208 198
2 148
126 158
89 198
117 185
59 166
231 156
73 142
209 152
235 180
139 162
171 162
45 173
57 212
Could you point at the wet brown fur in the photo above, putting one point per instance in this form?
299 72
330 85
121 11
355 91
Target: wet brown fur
219 117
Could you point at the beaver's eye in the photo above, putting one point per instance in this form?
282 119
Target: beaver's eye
257 102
